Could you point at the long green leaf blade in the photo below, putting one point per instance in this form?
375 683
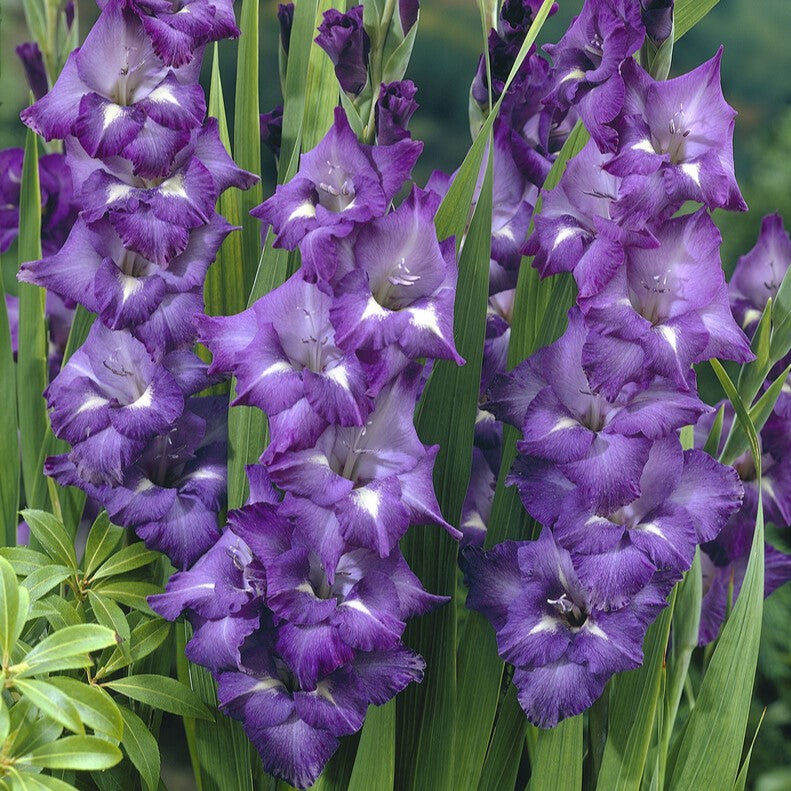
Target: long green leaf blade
557 758
9 443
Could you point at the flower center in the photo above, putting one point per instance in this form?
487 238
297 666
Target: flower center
674 143
652 298
337 193
388 293
568 610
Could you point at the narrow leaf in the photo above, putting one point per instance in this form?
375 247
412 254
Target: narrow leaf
55 651
9 443
128 559
49 700
557 758
131 594
96 708
505 749
374 766
103 538
52 537
688 13
141 747
9 607
74 752
110 615
162 693
43 580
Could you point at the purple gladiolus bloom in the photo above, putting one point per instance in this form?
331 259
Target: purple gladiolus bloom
681 132
394 283
283 349
112 398
377 478
658 19
118 98
272 129
155 220
172 493
666 309
477 505
580 228
33 64
760 272
157 304
516 16
564 646
345 40
598 445
407 13
339 183
285 18
394 107
587 62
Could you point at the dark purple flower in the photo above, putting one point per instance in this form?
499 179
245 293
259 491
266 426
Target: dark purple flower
681 132
345 40
68 12
516 17
407 13
658 19
760 272
172 493
662 311
579 228
285 17
394 107
339 183
157 304
272 129
564 647
112 398
377 478
394 283
587 62
283 349
33 64
599 446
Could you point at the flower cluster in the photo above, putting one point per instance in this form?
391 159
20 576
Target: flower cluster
147 169
300 608
755 280
600 462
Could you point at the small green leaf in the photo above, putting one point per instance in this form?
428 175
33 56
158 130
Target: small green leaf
74 752
128 559
10 629
24 560
58 612
141 747
52 536
146 638
109 614
130 593
103 538
42 581
27 781
49 700
63 648
5 720
162 693
96 708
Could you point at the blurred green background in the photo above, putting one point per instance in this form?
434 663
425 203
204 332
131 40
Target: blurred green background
756 69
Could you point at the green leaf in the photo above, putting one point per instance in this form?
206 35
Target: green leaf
505 750
74 752
27 781
128 559
67 648
141 747
688 13
103 538
42 581
146 637
5 721
52 536
374 766
49 700
32 346
715 435
96 708
162 693
557 758
741 779
130 593
398 60
634 698
10 628
24 560
247 134
9 442
58 612
81 323
753 374
708 755
29 728
109 614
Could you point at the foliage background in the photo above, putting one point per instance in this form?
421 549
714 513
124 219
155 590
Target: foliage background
756 63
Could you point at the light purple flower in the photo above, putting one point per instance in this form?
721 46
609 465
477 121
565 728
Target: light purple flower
662 311
341 182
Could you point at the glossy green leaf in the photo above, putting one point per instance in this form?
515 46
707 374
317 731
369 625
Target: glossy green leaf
49 700
74 752
132 594
145 638
52 537
110 615
141 747
163 693
741 778
753 374
247 135
43 580
58 612
60 650
10 627
32 355
103 538
24 560
556 759
688 13
5 720
9 443
708 755
633 703
80 326
96 708
374 766
27 781
128 559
